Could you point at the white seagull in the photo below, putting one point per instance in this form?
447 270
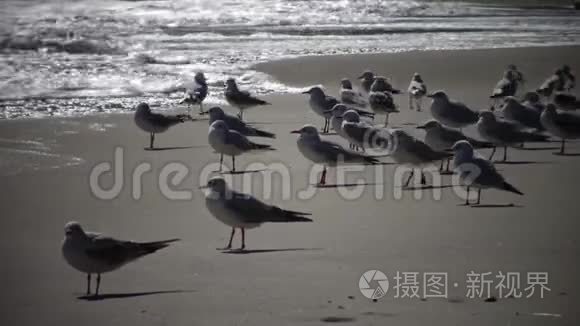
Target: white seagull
321 104
417 90
561 124
235 123
155 123
243 211
94 253
325 152
241 99
231 143
197 93
477 172
451 113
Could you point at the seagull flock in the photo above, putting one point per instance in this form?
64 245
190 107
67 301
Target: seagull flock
511 121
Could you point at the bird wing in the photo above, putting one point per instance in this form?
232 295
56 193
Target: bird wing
568 121
252 210
111 251
238 140
350 96
451 136
164 120
461 113
426 153
243 97
487 174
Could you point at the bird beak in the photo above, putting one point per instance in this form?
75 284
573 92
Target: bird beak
203 187
361 77
420 127
295 131
430 95
306 92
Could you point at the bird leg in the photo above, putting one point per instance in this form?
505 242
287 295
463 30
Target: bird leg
441 167
492 153
448 162
467 197
241 115
201 111
221 161
233 164
418 104
387 120
504 153
410 101
323 177
423 179
88 284
229 246
478 196
98 284
151 140
243 239
563 147
409 178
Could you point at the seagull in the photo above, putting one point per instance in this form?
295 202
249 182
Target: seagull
155 123
230 142
367 78
504 133
556 82
240 99
569 78
381 102
408 150
477 172
532 99
507 86
450 113
198 93
94 253
364 135
417 90
566 101
337 117
325 152
235 123
562 125
242 211
321 104
441 138
524 115
350 96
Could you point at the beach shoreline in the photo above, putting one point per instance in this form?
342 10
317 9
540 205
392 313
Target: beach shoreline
304 273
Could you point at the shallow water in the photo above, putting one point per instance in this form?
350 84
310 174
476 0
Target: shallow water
69 58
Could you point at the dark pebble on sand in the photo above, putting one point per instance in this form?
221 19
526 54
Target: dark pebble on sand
351 297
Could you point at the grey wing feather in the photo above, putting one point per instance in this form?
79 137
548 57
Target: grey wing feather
252 210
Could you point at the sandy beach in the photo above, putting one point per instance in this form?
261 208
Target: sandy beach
303 273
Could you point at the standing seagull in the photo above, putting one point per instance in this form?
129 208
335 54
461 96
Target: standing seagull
417 90
235 123
381 101
562 125
408 150
337 118
368 78
477 172
363 135
243 211
507 86
230 142
554 83
442 138
517 112
504 133
451 113
93 253
350 96
240 99
321 104
198 93
155 123
325 152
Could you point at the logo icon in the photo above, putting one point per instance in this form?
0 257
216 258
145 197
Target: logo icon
373 284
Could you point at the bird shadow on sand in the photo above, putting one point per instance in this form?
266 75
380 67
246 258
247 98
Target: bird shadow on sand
346 185
108 296
543 148
157 149
567 154
425 187
242 172
520 162
263 251
510 205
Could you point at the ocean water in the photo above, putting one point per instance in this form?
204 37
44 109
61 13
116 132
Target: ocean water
69 58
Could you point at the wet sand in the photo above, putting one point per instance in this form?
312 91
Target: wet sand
299 273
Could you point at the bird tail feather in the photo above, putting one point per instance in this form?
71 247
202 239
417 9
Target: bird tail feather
508 187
